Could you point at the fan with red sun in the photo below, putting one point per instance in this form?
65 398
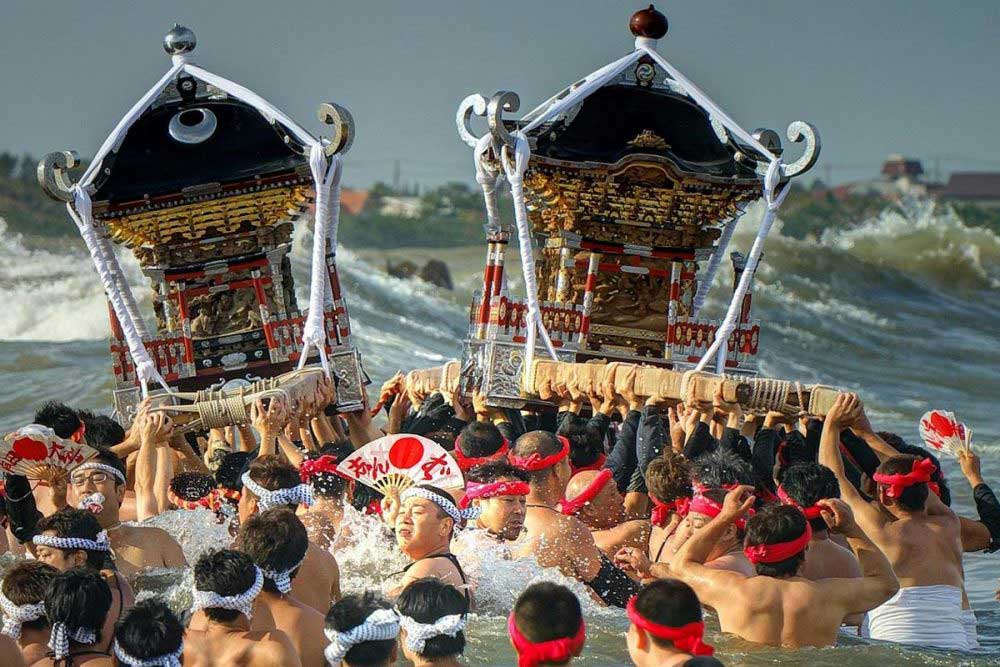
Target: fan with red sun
944 433
33 449
396 462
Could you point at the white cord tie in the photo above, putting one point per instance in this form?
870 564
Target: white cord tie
14 615
446 504
60 636
242 602
381 625
100 544
300 494
418 633
168 660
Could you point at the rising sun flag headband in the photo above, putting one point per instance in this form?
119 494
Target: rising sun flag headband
446 504
266 499
531 654
474 490
570 507
381 625
919 474
535 461
687 638
779 551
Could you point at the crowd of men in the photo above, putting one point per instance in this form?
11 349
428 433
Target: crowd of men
793 530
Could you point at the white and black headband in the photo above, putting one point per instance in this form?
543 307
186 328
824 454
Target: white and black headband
446 504
300 494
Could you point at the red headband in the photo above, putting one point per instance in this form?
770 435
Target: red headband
919 474
535 462
571 507
230 494
466 463
475 490
775 553
662 510
210 501
327 463
811 512
530 654
704 505
686 638
596 465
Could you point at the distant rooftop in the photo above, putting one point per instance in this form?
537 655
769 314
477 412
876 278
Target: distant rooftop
897 166
971 185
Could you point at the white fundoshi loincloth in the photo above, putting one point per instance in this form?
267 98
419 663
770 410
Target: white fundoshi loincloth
970 622
922 616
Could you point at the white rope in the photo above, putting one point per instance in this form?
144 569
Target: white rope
446 504
74 543
60 636
282 578
418 633
168 660
300 494
713 265
381 625
489 180
103 467
242 602
15 615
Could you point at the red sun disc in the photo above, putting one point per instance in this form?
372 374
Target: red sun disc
30 450
406 453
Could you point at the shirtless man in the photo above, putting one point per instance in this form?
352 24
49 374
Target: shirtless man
73 538
277 542
557 540
425 520
593 498
23 606
499 491
478 443
668 481
432 618
363 631
77 600
918 533
331 491
226 583
99 486
666 627
546 625
149 634
778 606
270 482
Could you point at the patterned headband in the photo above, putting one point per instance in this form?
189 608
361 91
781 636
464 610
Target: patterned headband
74 543
14 615
242 602
266 499
446 504
168 660
59 639
381 625
283 578
111 470
418 633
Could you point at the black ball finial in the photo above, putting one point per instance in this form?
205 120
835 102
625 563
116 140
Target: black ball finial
648 23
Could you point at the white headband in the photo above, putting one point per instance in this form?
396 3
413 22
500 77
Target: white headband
381 625
282 578
59 639
111 470
168 660
446 504
100 544
418 633
16 614
266 499
242 603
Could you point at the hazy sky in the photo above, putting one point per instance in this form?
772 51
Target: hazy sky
918 77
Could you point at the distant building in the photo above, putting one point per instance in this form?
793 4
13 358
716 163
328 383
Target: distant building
353 201
403 207
900 176
896 167
974 187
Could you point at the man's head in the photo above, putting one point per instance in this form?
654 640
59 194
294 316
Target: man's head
69 527
319 469
101 431
99 486
79 599
422 606
547 612
191 487
777 525
479 443
593 497
269 473
499 490
352 611
540 454
585 443
669 477
721 469
25 586
232 466
805 484
423 527
903 483
62 419
669 603
146 632
233 579
900 445
277 542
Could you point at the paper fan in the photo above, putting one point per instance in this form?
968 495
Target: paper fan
396 462
944 433
34 449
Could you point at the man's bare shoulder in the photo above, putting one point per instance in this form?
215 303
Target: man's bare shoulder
320 555
146 533
273 648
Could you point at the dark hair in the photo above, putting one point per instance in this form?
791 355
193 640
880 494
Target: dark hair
226 572
668 602
808 483
721 468
669 477
109 458
937 476
547 611
542 443
69 522
273 473
585 442
27 583
425 601
59 417
276 540
78 598
914 497
444 436
494 471
480 439
326 484
192 486
231 468
350 612
773 524
149 630
101 430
